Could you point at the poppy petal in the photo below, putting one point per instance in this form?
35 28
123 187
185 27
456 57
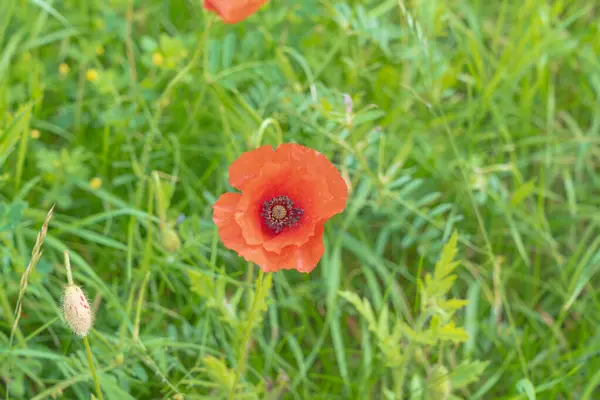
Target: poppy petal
248 166
307 192
256 192
306 257
317 164
230 232
224 217
301 258
233 11
306 180
209 6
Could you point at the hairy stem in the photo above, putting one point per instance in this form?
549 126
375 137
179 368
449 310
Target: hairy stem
68 266
244 345
88 353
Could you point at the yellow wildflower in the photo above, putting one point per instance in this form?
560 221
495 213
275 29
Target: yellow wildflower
157 59
63 69
91 75
96 183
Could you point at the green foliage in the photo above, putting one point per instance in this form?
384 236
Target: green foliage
261 298
10 215
62 170
12 129
442 116
439 386
434 303
437 286
388 341
214 293
435 325
466 373
219 372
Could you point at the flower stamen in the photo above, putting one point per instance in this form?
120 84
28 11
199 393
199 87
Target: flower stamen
279 213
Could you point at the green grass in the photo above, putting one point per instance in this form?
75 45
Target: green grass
476 116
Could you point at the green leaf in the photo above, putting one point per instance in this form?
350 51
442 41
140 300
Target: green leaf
18 127
452 304
391 348
438 383
466 373
383 328
164 192
445 266
10 215
435 324
219 372
422 337
435 287
453 333
525 386
201 284
261 299
522 193
363 307
591 387
148 44
228 50
340 350
416 388
442 287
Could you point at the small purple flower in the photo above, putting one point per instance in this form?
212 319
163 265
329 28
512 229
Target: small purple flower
348 101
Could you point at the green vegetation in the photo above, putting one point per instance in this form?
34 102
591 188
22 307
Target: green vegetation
475 117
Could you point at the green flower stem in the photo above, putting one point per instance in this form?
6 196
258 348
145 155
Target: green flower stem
408 356
88 353
244 345
399 389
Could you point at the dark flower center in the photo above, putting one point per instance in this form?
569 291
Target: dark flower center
279 213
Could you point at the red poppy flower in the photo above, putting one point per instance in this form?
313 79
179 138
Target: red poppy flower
233 11
287 196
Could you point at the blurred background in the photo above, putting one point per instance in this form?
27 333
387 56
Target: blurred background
475 117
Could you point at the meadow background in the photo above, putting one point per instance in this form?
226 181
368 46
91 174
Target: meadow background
480 117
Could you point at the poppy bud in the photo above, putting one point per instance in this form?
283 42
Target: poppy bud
169 239
77 311
439 387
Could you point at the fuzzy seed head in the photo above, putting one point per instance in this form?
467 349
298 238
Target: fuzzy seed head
77 311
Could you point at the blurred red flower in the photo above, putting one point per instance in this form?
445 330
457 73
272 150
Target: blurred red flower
233 11
287 196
